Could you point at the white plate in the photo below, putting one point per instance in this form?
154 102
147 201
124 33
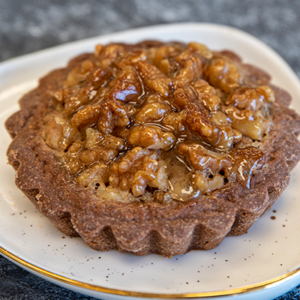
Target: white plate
264 263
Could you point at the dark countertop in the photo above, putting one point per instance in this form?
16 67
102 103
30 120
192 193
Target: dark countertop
28 26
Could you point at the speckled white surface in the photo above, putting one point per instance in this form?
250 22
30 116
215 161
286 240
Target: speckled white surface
239 261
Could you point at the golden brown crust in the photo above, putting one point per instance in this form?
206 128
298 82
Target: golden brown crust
143 228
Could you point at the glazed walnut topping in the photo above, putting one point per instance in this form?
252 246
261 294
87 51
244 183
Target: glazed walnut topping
158 122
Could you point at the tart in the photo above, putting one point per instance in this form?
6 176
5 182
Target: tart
154 147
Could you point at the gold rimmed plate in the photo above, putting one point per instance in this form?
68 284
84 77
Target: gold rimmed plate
265 262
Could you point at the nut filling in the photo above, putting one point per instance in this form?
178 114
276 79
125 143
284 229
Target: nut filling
158 122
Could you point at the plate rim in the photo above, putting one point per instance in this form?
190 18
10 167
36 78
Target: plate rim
231 292
97 288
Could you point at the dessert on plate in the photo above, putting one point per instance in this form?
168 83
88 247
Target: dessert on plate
154 147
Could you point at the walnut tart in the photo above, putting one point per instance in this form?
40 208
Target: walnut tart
154 147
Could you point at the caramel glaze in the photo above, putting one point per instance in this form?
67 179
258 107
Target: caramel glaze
158 122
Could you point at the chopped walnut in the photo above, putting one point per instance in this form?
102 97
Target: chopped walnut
246 122
154 79
203 159
97 77
60 134
222 136
220 118
163 198
175 121
165 66
162 57
139 173
191 68
131 58
151 137
165 52
111 141
251 98
203 87
112 114
112 194
206 184
86 116
108 54
153 98
135 170
223 74
74 98
121 132
97 154
131 109
126 86
140 181
182 97
228 137
93 138
207 94
96 174
246 98
152 112
71 159
132 160
267 92
78 74
199 121
201 49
